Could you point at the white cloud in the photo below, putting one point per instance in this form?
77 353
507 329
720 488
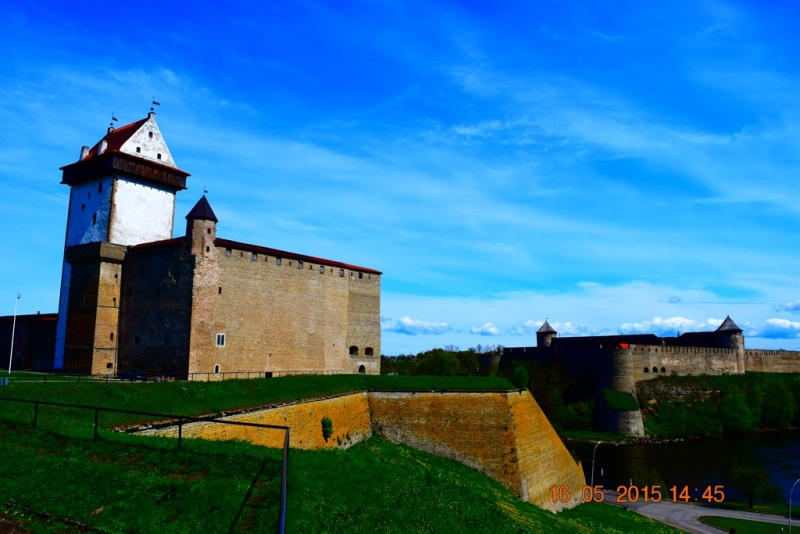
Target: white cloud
793 306
486 330
776 329
669 326
413 327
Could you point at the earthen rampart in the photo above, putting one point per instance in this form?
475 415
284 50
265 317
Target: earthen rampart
502 434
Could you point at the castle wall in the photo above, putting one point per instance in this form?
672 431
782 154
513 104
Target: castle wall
504 435
772 361
156 309
282 315
682 361
348 413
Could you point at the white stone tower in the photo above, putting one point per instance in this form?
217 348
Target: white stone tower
122 193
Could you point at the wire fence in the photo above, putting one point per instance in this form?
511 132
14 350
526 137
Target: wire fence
181 420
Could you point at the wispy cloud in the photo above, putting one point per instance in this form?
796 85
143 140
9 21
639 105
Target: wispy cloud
775 329
792 306
413 327
488 329
669 326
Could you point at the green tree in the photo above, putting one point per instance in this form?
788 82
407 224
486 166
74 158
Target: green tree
736 414
520 378
750 480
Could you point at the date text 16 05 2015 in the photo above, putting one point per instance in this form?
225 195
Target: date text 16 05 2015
629 494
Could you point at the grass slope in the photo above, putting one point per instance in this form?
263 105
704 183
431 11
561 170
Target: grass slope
137 484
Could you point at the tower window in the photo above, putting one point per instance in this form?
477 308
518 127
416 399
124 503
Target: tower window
158 156
219 290
111 336
321 269
150 135
360 276
216 369
83 206
94 218
220 340
299 264
100 187
228 252
278 261
138 149
341 272
208 230
208 249
109 365
254 257
368 351
114 301
354 351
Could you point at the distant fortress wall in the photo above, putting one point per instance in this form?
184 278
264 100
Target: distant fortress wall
772 361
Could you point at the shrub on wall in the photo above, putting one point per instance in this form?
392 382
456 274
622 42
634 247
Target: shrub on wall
327 427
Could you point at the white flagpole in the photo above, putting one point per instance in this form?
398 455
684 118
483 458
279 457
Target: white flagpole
13 328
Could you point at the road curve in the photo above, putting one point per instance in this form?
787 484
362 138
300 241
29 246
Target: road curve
684 516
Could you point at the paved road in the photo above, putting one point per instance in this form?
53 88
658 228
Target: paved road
684 516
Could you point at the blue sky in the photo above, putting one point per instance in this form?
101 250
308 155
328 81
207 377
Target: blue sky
613 167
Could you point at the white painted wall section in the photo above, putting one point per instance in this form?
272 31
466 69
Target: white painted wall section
141 213
147 143
89 210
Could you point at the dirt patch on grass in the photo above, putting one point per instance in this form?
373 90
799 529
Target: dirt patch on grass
8 525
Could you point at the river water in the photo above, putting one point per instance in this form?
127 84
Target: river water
695 463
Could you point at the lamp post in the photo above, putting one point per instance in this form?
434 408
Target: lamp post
790 504
593 452
13 328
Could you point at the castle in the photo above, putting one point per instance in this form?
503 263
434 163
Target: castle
619 362
135 299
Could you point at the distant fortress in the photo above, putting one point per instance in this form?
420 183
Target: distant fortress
618 362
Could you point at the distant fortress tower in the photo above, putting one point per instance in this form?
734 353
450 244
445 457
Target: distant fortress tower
545 335
122 193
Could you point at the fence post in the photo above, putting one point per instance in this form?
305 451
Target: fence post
96 413
180 432
35 413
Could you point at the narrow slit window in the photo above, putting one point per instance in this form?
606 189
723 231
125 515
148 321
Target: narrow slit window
94 218
228 252
220 340
341 273
321 269
299 264
138 149
158 156
254 257
219 290
278 261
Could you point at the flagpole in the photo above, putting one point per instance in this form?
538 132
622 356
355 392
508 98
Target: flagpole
13 328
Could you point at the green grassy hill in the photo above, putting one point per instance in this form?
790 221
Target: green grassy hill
124 483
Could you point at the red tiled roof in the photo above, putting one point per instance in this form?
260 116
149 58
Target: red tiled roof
116 138
284 254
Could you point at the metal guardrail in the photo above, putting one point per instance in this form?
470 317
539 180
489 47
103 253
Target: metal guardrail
182 419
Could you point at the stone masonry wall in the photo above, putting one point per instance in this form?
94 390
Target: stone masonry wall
282 315
504 435
349 414
772 361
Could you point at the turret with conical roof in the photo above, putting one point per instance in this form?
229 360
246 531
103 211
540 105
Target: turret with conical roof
201 228
730 335
545 335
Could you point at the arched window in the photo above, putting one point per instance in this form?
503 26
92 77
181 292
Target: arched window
663 369
362 369
646 370
216 369
368 351
109 365
655 369
353 351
